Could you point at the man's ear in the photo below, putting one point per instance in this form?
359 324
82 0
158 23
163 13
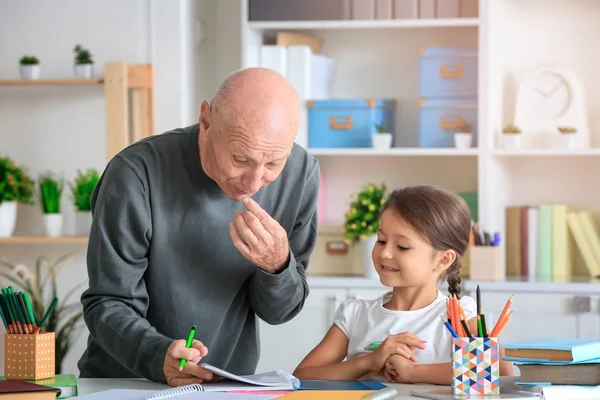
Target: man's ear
205 120
444 260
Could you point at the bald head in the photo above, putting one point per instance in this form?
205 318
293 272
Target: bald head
257 98
247 132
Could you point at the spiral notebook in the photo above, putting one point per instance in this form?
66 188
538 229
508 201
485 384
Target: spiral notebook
188 392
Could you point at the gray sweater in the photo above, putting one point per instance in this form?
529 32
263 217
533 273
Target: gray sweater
160 259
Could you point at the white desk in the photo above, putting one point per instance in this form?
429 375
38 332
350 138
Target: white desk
88 385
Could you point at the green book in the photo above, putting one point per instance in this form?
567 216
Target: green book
67 383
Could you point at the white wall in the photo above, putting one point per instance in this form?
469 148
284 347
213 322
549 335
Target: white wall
62 128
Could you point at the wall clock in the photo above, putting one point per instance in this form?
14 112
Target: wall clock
549 97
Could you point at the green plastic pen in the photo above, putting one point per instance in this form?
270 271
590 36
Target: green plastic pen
372 346
188 344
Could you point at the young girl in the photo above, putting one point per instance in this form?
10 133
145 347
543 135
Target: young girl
423 233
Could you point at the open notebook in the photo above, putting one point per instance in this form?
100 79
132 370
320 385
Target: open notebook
272 380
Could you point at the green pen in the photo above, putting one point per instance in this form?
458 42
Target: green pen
188 344
372 346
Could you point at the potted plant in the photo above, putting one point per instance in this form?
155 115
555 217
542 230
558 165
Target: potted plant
81 190
362 222
50 192
511 136
40 283
382 139
463 139
83 63
566 137
29 67
15 187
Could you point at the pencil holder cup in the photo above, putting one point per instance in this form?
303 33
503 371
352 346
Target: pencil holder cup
29 357
485 263
475 367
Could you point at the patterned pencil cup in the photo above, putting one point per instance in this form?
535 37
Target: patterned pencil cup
475 367
29 357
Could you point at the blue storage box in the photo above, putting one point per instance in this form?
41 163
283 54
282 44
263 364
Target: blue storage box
348 122
439 120
448 72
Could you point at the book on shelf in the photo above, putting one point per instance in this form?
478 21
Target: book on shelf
543 241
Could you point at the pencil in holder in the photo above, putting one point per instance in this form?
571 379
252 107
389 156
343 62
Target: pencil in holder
29 357
485 263
475 367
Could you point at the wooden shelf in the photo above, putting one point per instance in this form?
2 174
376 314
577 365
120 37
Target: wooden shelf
362 24
51 82
43 240
397 151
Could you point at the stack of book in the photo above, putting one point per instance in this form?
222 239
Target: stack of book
545 362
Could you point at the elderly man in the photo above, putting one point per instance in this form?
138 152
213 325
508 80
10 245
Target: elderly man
209 225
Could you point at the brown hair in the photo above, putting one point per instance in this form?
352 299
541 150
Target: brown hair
441 217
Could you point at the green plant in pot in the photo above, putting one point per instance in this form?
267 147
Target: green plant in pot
84 64
382 138
566 137
51 188
29 67
15 187
66 321
511 136
362 222
82 189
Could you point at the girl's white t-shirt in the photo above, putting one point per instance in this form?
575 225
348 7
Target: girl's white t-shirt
367 321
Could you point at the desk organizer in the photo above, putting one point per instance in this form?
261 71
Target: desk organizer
29 357
475 367
485 263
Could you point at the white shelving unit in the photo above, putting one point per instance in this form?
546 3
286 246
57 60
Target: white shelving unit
379 58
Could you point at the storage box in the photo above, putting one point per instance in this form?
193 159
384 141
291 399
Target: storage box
406 9
485 263
448 9
294 10
448 72
475 367
29 357
439 120
332 256
384 9
348 122
427 9
363 9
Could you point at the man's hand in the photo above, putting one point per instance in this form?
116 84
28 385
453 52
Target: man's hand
191 373
260 238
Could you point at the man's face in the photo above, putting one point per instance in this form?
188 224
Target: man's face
244 157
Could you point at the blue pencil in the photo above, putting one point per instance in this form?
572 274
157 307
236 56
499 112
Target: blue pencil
452 332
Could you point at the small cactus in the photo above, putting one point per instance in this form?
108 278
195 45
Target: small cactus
511 129
567 129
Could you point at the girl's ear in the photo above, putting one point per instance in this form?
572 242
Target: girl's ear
444 260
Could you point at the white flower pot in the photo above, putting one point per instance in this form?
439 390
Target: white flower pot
84 71
8 218
565 141
366 250
83 223
463 140
29 71
53 223
381 140
511 140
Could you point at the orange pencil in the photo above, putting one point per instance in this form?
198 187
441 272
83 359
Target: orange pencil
503 313
459 329
500 325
